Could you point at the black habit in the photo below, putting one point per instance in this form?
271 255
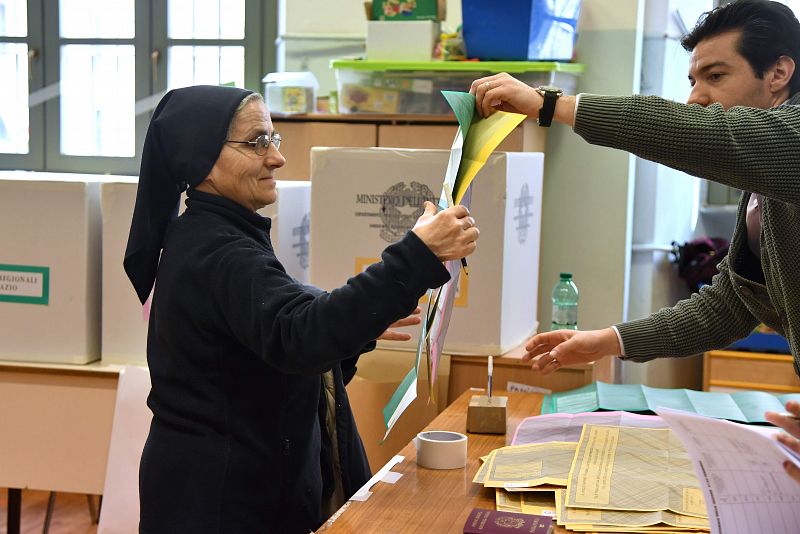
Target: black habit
237 348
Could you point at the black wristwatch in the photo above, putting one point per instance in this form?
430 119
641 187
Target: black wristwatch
550 95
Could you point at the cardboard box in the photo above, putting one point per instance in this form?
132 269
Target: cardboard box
49 267
365 199
378 374
389 40
125 320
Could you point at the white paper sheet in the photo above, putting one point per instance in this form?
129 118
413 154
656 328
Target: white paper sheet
741 473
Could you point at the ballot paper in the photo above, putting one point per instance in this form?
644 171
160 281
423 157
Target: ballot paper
592 519
640 469
741 474
523 466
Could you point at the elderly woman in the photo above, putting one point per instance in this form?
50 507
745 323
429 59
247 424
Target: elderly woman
242 356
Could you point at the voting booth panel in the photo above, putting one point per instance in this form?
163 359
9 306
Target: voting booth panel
124 319
50 268
365 199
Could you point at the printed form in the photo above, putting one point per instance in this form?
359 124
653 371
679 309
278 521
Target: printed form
741 472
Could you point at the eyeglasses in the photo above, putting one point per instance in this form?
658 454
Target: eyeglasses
261 143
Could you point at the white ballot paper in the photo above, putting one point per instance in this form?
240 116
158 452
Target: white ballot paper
741 472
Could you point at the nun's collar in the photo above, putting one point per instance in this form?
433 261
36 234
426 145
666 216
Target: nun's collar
228 208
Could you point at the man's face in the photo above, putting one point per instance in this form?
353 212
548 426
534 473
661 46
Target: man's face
719 74
239 173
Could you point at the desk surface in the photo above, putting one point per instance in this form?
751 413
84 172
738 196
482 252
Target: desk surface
426 500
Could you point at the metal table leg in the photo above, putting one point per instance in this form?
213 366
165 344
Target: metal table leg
14 510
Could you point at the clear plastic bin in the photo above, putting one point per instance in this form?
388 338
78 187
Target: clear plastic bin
415 87
290 92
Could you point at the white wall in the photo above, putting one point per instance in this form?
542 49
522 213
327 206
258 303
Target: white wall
665 200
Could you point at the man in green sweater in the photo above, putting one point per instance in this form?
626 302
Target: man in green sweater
740 127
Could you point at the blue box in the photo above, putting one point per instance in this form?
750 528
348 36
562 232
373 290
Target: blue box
762 342
520 30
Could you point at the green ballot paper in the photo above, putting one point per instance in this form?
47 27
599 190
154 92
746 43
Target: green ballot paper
743 406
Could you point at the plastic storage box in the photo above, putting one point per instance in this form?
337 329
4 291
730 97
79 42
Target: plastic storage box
532 30
290 92
415 87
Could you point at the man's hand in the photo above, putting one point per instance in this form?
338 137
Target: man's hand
451 234
791 424
503 92
549 351
391 335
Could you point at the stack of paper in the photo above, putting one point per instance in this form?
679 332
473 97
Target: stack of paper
742 406
614 478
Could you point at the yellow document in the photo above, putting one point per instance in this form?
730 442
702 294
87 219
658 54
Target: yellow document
524 466
480 476
484 136
633 469
508 502
539 503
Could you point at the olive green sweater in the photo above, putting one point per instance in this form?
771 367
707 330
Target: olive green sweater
751 149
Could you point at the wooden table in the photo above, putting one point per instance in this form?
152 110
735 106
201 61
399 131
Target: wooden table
427 500
55 428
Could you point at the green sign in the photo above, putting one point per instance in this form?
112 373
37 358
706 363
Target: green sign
24 284
405 10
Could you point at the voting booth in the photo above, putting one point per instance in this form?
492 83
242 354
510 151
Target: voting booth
365 199
49 267
125 320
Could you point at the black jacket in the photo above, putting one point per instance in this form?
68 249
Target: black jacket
235 349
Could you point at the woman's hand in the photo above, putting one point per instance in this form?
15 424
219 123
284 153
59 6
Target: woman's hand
549 351
392 335
451 234
791 424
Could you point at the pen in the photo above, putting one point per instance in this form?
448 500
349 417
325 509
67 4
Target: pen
489 388
464 265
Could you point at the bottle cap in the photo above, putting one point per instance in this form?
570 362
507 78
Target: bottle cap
566 276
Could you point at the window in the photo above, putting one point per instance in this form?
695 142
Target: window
81 98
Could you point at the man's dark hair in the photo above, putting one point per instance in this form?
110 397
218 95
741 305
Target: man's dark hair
769 30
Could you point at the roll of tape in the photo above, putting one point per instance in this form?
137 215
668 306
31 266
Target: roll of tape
441 449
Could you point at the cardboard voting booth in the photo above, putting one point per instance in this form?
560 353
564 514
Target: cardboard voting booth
365 199
49 267
125 320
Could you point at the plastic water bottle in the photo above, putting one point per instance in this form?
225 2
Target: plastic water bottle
565 304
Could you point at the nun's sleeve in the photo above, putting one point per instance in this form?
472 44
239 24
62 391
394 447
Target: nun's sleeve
297 330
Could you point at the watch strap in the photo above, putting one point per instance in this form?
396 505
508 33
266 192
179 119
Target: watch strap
548 107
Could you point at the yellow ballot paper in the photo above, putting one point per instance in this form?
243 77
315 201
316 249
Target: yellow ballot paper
524 466
539 503
484 136
641 469
508 502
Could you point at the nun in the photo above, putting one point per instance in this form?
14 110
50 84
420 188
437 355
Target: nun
252 430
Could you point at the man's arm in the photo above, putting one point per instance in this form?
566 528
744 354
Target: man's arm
710 319
747 148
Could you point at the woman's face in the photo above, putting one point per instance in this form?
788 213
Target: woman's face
239 173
